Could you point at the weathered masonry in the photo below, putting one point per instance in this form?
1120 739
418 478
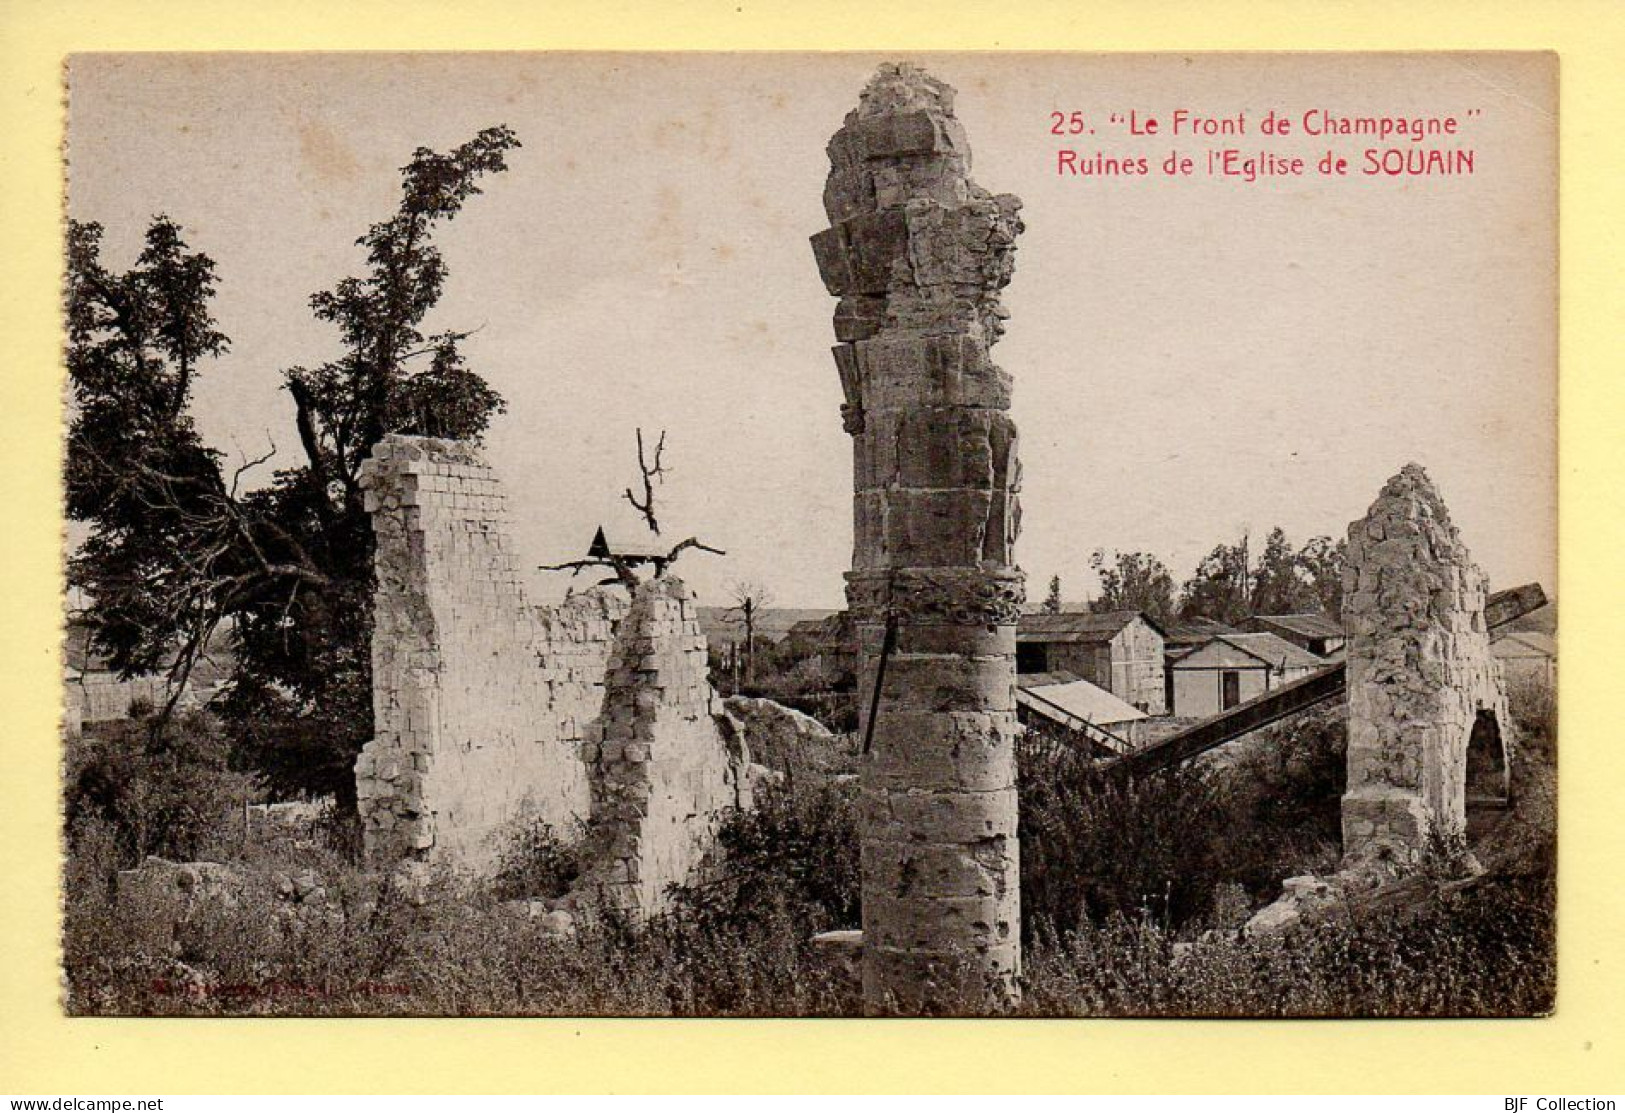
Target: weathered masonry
1427 705
916 253
490 711
669 763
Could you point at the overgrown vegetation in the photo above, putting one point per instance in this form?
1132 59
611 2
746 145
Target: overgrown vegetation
1131 896
1185 847
150 787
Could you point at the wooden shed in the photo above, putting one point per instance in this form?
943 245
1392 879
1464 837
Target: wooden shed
1527 656
1231 668
1120 651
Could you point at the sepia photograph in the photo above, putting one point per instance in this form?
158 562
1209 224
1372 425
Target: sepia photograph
831 535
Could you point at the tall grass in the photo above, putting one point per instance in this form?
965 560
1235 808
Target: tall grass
1131 893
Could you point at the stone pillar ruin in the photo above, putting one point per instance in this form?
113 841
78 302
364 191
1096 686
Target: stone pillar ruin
916 253
1425 694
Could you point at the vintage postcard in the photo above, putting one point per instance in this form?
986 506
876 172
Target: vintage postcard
598 534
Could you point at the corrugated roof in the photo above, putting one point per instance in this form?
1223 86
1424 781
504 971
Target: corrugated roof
1303 625
1194 631
1069 627
1272 649
1045 679
1080 699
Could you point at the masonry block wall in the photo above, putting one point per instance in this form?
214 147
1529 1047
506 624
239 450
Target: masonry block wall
669 765
482 703
917 252
1422 682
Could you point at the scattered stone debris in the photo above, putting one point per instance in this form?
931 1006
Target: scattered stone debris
782 738
191 883
553 917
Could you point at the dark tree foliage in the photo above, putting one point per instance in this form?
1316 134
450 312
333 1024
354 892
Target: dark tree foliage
136 468
1230 586
1220 588
176 551
301 701
1133 582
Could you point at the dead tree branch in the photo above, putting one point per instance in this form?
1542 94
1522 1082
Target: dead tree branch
688 543
650 473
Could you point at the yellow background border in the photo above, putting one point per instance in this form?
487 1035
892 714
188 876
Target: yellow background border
1579 1050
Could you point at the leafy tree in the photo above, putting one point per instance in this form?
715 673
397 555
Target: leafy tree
137 471
1221 586
1052 601
1321 563
176 551
1133 582
1229 587
1276 586
301 699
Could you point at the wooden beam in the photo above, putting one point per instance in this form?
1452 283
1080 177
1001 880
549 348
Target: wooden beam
1244 718
1512 604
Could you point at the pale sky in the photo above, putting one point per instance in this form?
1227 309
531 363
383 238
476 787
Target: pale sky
1192 358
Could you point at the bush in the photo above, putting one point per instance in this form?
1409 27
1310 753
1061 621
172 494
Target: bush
1094 843
797 849
160 788
1533 703
1487 951
536 864
1280 801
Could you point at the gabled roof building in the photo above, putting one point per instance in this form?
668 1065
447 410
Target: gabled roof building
1120 651
1229 669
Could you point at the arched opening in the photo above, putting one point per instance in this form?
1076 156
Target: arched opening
1488 780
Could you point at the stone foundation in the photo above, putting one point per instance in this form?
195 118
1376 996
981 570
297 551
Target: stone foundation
1422 682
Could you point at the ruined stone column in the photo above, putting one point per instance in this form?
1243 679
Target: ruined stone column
1422 682
917 253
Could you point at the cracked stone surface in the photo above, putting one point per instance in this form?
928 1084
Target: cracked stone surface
917 253
490 712
1422 682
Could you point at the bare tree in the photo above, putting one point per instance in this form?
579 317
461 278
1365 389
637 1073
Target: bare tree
651 473
624 566
749 599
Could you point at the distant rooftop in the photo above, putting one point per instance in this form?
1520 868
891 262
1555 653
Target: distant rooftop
728 624
1193 631
1075 697
1524 643
1303 625
624 542
1065 627
1274 649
